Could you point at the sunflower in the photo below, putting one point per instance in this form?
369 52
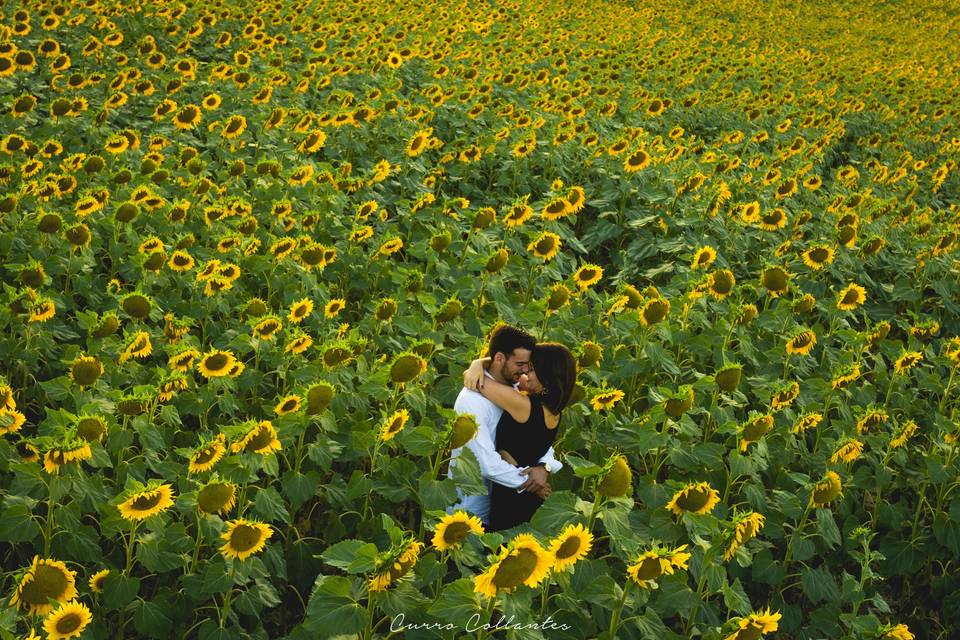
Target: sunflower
745 527
703 258
775 280
406 367
96 580
42 310
216 497
697 498
575 199
605 399
807 421
91 428
394 424
267 328
518 213
288 404
419 142
570 546
138 347
754 429
873 417
546 246
234 126
207 455
146 503
845 374
67 621
818 256
390 247
522 561
85 371
260 438
801 343
216 363
587 275
243 538
906 361
454 528
784 395
720 283
848 450
753 626
334 307
188 117
826 491
654 311
44 580
636 161
657 562
397 566
952 351
851 297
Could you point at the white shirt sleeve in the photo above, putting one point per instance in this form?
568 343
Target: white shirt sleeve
549 458
492 466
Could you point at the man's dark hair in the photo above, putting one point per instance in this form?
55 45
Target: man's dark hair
506 338
557 371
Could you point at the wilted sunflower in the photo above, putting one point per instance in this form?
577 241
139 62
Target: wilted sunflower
826 491
207 455
571 546
91 428
851 297
243 538
784 395
903 434
42 310
697 498
216 497
657 562
807 421
396 566
454 528
895 632
871 418
138 347
147 502
45 579
605 399
260 438
845 375
906 361
753 626
67 621
754 429
216 363
801 342
952 351
703 258
521 561
848 450
745 527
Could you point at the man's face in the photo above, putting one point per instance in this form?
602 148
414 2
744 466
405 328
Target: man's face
516 364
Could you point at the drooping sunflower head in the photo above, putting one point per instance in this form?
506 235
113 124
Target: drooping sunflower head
454 528
216 497
775 280
462 430
616 478
86 370
827 490
605 399
521 562
727 378
406 367
260 437
679 402
91 428
754 429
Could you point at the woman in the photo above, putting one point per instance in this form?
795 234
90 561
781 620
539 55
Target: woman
528 426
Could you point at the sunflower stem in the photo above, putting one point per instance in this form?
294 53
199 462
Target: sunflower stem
793 536
48 521
946 391
615 619
593 511
484 630
130 543
227 599
196 548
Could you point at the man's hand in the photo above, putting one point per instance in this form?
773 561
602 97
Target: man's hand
544 493
536 479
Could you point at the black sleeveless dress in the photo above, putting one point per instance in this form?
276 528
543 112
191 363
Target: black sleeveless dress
527 442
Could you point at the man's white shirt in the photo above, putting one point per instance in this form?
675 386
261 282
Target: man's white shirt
493 468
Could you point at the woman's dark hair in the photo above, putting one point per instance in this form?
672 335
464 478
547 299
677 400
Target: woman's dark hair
506 338
557 371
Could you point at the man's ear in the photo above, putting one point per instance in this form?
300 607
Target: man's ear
499 358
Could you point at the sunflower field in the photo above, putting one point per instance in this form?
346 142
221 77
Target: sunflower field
248 248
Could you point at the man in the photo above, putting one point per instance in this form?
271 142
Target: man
510 349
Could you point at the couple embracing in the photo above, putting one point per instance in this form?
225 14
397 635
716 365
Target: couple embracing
516 394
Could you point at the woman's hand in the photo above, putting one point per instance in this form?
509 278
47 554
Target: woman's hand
507 457
474 375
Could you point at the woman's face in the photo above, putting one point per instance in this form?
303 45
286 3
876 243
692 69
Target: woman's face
531 383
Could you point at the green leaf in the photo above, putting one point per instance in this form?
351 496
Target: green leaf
16 524
466 473
827 527
269 504
119 590
300 487
819 586
582 468
555 512
437 494
735 598
151 620
331 609
457 602
342 554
